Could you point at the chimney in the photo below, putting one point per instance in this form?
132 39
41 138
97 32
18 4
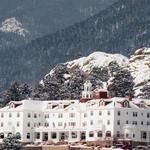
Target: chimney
130 97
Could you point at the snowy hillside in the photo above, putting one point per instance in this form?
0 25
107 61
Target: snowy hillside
13 26
120 75
66 80
139 66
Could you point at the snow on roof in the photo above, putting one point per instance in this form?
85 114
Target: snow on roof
35 105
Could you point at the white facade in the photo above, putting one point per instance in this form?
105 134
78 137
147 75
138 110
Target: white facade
72 120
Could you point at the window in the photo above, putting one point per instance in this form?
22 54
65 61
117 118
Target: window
35 115
29 115
72 115
28 135
142 104
28 124
134 122
84 124
118 122
46 124
91 134
2 124
141 122
85 115
73 135
34 124
108 122
99 134
54 135
143 134
10 115
37 135
100 113
72 124
18 115
46 115
1 135
118 113
148 123
108 134
91 122
60 115
135 114
133 135
2 115
92 113
17 124
127 135
127 122
148 115
126 104
118 134
108 113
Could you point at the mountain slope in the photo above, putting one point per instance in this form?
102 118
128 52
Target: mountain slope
139 66
121 28
45 17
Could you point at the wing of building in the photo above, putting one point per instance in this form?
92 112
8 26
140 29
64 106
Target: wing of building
93 118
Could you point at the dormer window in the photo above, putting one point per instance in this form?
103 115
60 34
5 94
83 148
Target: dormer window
12 105
142 104
126 104
101 103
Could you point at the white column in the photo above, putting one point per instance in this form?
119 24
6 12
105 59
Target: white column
49 136
41 136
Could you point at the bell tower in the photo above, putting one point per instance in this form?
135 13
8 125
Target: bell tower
87 93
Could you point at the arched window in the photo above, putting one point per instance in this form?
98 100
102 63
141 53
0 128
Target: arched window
10 115
35 115
2 115
99 134
108 133
17 123
1 135
91 134
28 135
126 104
18 135
18 115
29 115
28 124
9 134
2 124
142 104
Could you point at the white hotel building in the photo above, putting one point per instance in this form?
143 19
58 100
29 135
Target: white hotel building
94 118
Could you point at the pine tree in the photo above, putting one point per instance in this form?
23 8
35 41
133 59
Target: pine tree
17 92
11 142
121 84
